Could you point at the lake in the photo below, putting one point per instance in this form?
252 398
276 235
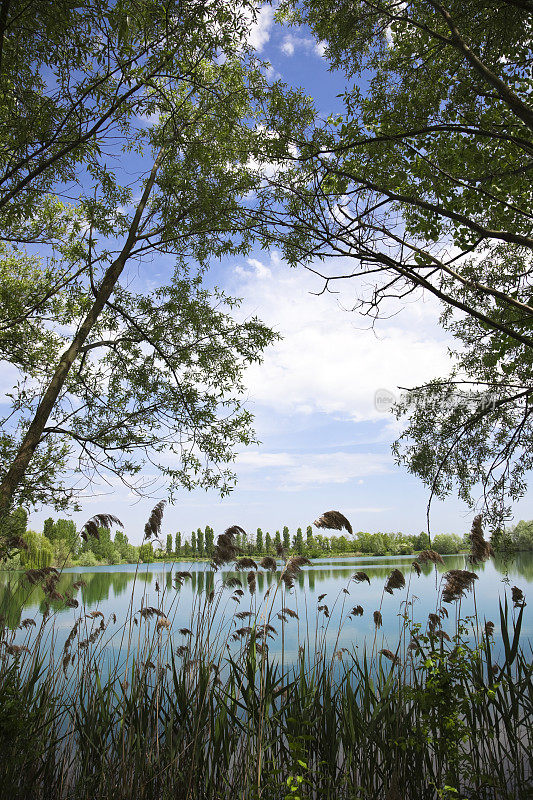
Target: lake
113 590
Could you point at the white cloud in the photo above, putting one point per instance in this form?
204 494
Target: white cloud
258 269
287 47
305 44
257 460
260 30
330 361
271 72
292 472
265 169
149 120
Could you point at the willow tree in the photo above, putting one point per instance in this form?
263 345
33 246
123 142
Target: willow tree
131 134
422 184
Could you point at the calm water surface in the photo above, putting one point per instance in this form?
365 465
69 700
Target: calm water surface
109 590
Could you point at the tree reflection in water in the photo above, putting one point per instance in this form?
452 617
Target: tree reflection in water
109 589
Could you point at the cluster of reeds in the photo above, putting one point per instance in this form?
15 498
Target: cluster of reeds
480 549
202 711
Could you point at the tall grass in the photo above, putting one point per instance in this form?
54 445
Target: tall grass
137 708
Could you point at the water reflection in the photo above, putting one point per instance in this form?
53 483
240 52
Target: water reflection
109 589
17 596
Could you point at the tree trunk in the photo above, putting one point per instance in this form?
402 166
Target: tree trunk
33 435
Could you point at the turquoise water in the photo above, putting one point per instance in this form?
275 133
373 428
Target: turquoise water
119 590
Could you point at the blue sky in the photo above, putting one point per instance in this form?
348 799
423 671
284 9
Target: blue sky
324 444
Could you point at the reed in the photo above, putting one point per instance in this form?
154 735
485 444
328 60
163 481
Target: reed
202 711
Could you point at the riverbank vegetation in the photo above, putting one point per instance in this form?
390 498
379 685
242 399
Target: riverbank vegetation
60 545
152 707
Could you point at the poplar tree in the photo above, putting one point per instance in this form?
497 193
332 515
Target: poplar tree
309 536
200 541
209 540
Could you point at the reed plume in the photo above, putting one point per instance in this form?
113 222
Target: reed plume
280 550
395 580
240 632
269 563
429 556
333 520
433 622
378 619
390 655
457 582
292 568
359 577
15 649
517 596
289 612
357 611
480 549
34 576
235 530
295 564
150 611
233 582
226 549
99 521
251 581
267 630
155 520
245 563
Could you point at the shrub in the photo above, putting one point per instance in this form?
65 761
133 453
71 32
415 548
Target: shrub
87 559
446 543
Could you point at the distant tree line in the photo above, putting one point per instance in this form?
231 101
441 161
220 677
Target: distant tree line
60 544
518 538
313 545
